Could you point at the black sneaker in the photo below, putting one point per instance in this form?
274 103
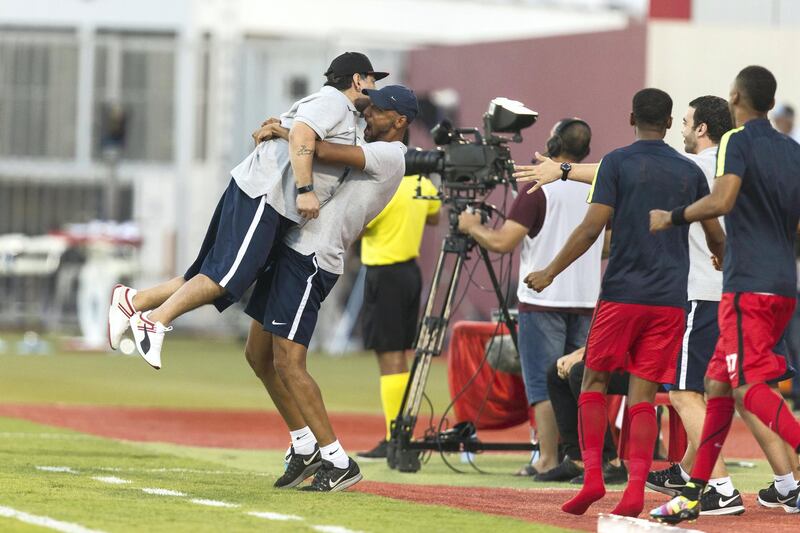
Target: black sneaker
714 503
299 468
612 475
527 470
563 472
378 452
770 497
668 481
615 475
331 479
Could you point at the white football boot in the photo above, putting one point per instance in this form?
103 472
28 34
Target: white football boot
119 313
149 337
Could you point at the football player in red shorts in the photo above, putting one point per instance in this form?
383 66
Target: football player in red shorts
638 322
758 190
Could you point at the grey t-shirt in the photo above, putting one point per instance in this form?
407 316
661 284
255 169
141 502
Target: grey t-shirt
268 169
358 200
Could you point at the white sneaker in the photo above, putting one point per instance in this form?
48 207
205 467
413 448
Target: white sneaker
149 337
119 313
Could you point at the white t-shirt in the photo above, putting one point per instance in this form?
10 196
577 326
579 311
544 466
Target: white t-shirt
579 285
360 198
705 282
268 169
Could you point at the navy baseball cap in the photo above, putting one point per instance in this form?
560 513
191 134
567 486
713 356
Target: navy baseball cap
395 97
350 63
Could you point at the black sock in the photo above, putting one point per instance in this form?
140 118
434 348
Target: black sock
693 489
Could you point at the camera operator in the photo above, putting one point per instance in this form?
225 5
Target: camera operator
556 321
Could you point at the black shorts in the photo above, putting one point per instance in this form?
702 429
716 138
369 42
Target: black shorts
391 306
237 243
289 293
698 345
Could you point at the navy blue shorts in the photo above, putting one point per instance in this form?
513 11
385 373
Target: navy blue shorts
698 345
289 293
237 243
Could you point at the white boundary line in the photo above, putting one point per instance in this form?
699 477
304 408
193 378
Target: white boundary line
266 515
44 521
182 471
60 469
214 503
111 480
333 529
163 492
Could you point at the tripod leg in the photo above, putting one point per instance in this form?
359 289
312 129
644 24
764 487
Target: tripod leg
501 301
429 344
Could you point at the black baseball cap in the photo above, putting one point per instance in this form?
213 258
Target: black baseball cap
395 97
350 63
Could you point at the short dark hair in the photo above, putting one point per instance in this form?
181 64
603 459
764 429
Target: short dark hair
341 82
714 113
758 86
575 139
652 107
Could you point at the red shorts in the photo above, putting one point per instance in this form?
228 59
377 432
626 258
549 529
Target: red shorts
640 339
750 325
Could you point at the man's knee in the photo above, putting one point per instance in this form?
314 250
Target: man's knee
260 360
287 358
716 389
683 398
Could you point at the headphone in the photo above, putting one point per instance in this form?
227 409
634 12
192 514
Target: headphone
555 144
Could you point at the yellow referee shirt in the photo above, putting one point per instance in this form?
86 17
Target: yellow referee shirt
395 235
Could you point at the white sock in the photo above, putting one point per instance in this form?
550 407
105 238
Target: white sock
785 484
334 453
686 477
303 441
724 485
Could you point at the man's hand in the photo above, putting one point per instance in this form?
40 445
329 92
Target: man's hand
467 220
270 129
546 171
717 262
308 205
539 280
566 362
660 220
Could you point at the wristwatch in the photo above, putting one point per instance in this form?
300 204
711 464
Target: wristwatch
565 168
305 189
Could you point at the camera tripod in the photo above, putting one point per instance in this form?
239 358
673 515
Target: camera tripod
404 452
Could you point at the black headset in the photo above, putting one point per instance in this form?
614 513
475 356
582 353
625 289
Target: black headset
555 144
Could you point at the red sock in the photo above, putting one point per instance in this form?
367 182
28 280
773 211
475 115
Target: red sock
592 422
641 441
719 415
770 408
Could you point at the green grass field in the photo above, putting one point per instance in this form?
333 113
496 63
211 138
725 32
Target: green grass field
212 374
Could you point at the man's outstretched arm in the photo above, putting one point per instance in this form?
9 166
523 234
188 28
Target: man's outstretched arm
548 171
582 238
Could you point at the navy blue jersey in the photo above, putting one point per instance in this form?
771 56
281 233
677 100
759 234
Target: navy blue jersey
762 227
646 268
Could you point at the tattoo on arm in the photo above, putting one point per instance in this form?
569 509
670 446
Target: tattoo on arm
304 150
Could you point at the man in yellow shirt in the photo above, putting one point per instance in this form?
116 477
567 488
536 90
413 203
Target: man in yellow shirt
389 248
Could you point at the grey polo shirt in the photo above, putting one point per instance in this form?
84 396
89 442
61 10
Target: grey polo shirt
268 170
361 197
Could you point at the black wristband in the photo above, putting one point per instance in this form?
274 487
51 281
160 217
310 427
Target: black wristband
677 216
305 188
